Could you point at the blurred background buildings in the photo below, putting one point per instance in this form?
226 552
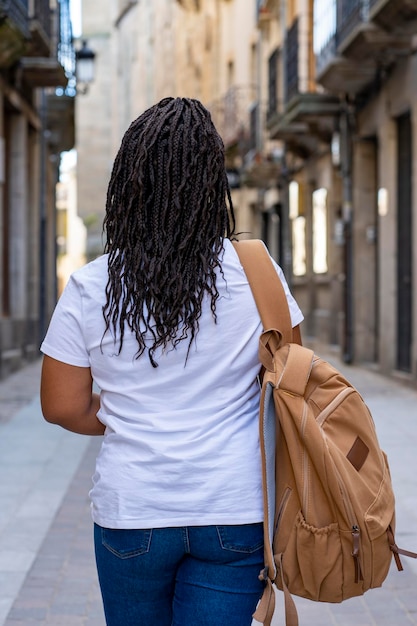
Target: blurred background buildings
37 64
316 103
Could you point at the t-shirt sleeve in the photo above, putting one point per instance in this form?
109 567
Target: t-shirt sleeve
65 340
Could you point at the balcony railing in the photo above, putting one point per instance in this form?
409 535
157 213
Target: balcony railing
352 37
42 15
273 83
291 62
50 56
231 115
338 21
325 32
345 44
17 12
66 52
334 21
352 13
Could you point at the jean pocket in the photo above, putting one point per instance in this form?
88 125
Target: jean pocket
126 544
245 538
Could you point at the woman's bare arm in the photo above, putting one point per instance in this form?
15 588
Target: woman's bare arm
67 397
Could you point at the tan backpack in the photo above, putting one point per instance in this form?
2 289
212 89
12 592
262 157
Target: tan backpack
329 503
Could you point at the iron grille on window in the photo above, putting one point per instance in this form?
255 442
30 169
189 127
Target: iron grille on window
273 82
291 62
253 126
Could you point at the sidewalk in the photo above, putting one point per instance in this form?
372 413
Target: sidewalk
47 570
39 468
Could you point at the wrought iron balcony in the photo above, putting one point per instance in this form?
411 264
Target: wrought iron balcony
14 30
232 117
308 119
54 63
61 101
300 116
239 118
361 38
334 71
66 51
351 13
40 24
355 43
17 12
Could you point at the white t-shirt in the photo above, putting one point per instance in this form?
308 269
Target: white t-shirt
181 443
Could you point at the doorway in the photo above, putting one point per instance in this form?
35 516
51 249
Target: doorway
404 242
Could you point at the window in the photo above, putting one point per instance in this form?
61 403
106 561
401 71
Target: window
254 112
273 82
230 74
324 23
298 221
320 231
294 199
299 266
292 48
253 67
382 202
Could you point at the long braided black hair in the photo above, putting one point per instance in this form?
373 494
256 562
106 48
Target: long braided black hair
168 210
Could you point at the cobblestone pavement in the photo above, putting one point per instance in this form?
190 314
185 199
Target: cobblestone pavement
47 570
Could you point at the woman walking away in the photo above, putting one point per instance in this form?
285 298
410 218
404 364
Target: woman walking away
166 326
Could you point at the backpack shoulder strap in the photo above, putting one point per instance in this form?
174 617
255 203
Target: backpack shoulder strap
266 286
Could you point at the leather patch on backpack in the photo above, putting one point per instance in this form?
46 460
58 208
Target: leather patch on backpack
358 453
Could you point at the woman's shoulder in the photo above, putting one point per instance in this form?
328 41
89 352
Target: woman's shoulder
96 267
92 275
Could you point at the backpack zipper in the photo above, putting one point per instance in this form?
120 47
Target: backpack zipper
355 553
355 530
283 504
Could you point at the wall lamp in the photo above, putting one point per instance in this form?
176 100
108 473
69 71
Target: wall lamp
84 68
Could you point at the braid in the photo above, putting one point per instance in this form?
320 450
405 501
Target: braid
168 210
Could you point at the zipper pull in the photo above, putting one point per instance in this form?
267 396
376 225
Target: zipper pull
355 553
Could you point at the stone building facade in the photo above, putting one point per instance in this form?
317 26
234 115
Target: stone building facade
315 101
342 101
36 125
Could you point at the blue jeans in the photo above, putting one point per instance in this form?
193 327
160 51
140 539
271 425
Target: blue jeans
188 576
